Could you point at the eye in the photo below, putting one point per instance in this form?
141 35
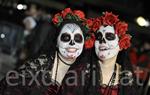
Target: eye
110 36
98 36
78 38
65 37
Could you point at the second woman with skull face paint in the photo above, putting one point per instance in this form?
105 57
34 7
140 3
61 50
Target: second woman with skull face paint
111 77
64 55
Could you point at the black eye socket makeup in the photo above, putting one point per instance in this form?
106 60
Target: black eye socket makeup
99 36
65 37
78 38
110 36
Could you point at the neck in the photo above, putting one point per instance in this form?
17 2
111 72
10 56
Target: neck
65 60
108 65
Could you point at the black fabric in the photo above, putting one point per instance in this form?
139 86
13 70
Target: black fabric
30 87
35 66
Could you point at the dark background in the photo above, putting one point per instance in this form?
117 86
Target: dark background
127 10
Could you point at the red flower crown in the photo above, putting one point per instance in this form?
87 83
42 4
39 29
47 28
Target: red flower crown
108 18
76 15
68 14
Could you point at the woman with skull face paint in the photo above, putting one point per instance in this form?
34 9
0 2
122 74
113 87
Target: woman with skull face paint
46 74
71 32
111 77
73 35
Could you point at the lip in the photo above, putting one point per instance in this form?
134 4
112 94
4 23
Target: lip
71 50
103 48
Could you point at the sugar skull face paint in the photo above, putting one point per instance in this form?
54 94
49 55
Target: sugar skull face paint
106 44
70 41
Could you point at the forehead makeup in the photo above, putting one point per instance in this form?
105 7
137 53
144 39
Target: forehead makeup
71 27
106 29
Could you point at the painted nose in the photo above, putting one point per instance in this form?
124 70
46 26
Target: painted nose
102 41
71 43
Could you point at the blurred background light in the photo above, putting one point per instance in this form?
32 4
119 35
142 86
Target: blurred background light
141 21
20 6
2 36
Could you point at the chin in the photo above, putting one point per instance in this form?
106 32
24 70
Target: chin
104 56
71 58
102 59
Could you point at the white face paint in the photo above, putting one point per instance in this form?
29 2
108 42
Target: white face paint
70 41
106 44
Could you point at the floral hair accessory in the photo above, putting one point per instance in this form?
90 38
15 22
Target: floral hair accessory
108 18
68 14
75 15
90 40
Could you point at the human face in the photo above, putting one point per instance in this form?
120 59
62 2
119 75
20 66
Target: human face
70 41
106 44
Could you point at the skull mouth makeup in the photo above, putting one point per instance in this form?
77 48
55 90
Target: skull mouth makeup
70 41
71 50
103 48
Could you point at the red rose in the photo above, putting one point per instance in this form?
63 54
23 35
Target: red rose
65 12
121 28
109 19
96 25
89 43
89 22
124 42
79 13
99 19
56 18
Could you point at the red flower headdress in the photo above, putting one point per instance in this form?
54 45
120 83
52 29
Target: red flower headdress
76 15
68 14
108 18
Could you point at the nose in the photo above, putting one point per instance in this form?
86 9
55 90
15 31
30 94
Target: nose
102 40
71 43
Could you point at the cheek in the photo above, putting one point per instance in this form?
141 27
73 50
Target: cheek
113 44
62 44
97 48
79 45
97 44
58 41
